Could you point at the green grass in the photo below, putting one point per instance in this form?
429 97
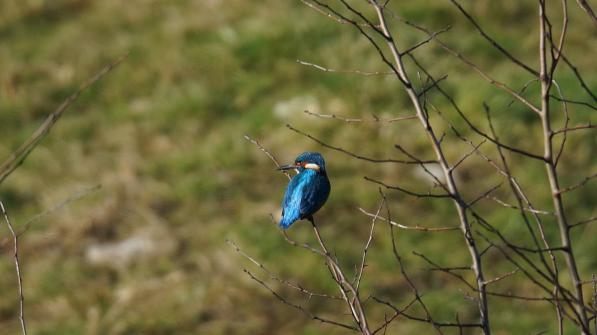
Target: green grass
163 136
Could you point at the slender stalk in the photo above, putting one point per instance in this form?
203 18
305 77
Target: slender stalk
552 175
15 239
354 302
448 172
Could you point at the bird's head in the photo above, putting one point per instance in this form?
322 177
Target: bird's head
307 160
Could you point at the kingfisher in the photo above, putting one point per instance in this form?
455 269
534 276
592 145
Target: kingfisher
307 191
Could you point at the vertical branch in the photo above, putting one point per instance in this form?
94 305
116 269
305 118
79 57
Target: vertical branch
411 284
595 302
15 239
550 166
459 203
520 196
346 288
584 5
359 275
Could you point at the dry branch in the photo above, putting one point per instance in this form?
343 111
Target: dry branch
15 239
17 158
356 120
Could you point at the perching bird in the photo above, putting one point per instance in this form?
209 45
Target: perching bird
307 191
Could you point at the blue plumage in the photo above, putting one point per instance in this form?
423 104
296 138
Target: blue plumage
307 191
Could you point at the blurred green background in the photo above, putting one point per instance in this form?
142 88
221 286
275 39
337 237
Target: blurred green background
162 135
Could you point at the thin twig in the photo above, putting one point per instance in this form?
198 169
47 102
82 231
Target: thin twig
579 223
401 226
349 153
330 15
411 193
579 184
493 42
425 41
498 278
267 153
468 154
573 128
587 8
366 248
574 102
397 313
298 307
363 73
18 157
411 284
74 197
15 239
275 277
427 320
530 210
356 120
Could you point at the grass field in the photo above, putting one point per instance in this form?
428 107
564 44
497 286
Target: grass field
147 175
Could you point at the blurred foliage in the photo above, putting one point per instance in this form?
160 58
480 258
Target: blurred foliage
162 135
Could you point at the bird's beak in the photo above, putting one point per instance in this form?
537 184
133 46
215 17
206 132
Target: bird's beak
287 167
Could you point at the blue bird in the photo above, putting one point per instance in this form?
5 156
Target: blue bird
307 191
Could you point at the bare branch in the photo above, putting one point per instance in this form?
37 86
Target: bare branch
579 223
578 185
353 301
355 120
498 278
564 105
527 209
397 313
573 128
425 41
427 320
467 155
485 194
275 277
298 307
579 77
454 192
587 8
329 14
411 284
552 175
470 124
448 270
18 157
433 84
401 226
359 72
344 151
574 102
477 69
267 153
74 197
15 239
367 244
493 42
411 193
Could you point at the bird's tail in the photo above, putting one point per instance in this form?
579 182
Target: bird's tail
286 222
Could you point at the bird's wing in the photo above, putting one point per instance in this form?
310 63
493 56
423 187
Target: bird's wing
290 191
313 196
292 201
